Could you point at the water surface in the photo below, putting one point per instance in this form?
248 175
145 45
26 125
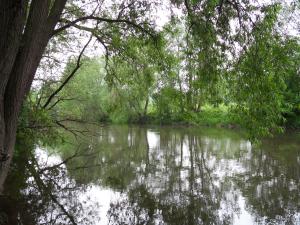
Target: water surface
157 175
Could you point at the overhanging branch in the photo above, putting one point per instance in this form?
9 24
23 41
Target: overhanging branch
69 77
101 19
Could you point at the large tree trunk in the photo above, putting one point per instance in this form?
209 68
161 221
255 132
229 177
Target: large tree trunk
23 54
12 18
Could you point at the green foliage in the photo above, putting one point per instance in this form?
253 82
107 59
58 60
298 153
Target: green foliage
191 73
167 105
214 116
133 75
260 80
86 96
36 124
291 110
144 84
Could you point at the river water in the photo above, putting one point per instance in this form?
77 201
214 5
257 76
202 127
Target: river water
157 175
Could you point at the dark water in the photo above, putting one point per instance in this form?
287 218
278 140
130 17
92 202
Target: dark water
151 175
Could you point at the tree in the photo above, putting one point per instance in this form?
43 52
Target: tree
133 75
26 28
22 43
261 87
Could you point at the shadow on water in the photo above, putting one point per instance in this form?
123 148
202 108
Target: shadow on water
156 175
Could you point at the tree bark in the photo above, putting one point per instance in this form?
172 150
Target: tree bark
12 20
23 54
12 14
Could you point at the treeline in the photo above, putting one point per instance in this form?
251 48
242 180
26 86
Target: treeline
185 76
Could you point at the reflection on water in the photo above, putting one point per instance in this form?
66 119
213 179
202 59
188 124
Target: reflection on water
150 175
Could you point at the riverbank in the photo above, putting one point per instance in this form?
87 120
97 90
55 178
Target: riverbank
209 116
216 117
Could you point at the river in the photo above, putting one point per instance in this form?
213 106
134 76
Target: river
157 175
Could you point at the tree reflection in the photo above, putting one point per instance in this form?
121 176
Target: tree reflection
160 176
184 188
198 179
271 181
41 193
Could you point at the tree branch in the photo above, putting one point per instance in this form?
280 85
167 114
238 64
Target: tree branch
69 77
101 19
